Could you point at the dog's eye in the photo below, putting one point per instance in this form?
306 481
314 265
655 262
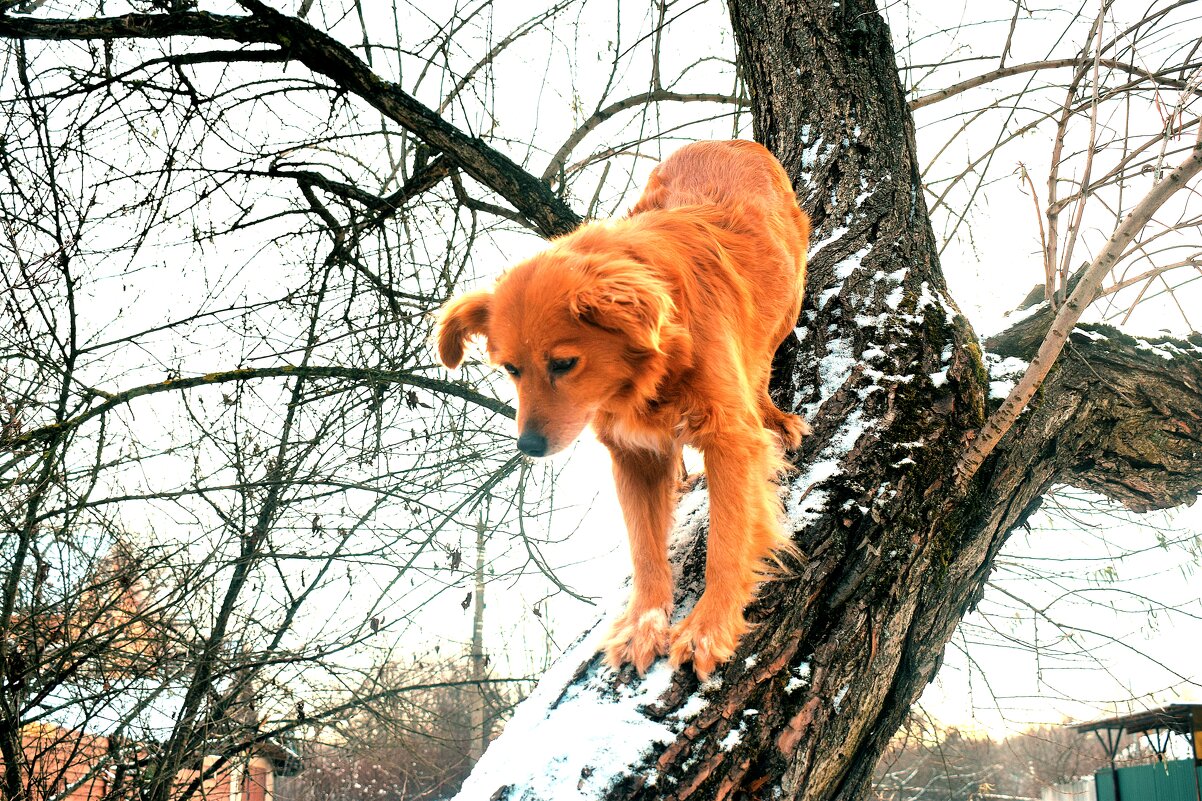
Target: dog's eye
561 366
513 371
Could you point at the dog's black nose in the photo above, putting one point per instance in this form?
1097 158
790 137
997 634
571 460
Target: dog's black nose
532 444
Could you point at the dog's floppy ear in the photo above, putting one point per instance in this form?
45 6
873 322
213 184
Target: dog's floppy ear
465 316
623 298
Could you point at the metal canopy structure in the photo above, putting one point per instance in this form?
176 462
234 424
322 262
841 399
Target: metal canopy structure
1177 718
1158 725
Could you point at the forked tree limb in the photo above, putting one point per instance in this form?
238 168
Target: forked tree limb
1070 312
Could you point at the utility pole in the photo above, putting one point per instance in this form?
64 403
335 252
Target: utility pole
479 731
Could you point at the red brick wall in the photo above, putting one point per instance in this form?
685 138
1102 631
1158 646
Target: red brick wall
60 759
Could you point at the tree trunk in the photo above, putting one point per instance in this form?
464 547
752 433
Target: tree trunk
893 380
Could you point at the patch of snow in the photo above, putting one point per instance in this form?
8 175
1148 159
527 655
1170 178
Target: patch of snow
803 331
864 190
1003 374
833 370
806 506
869 321
691 708
690 505
879 375
925 297
839 696
1001 368
1157 349
577 743
1094 335
845 268
834 235
811 155
1000 390
893 299
733 738
928 298
806 502
939 377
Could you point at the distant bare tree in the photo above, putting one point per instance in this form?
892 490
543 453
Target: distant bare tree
414 744
929 762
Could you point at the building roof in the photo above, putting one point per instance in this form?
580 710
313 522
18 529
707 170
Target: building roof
1174 717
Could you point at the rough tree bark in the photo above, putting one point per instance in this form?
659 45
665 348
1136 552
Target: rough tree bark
894 382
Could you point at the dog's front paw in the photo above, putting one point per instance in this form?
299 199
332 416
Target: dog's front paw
639 637
708 637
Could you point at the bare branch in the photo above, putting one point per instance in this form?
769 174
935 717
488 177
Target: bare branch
1160 78
366 375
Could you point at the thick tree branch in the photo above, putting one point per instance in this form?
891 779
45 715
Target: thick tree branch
330 58
1118 415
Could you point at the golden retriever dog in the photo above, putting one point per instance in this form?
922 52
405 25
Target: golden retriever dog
658 329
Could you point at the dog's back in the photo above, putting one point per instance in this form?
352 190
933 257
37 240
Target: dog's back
736 174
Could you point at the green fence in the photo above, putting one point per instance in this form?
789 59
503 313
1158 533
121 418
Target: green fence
1175 780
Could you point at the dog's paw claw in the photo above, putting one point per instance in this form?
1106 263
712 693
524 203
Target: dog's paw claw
637 637
705 641
792 428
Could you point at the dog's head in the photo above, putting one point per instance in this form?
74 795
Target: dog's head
576 333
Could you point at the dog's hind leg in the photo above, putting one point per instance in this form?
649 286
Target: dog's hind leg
646 482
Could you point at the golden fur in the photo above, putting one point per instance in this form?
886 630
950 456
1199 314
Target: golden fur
659 329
